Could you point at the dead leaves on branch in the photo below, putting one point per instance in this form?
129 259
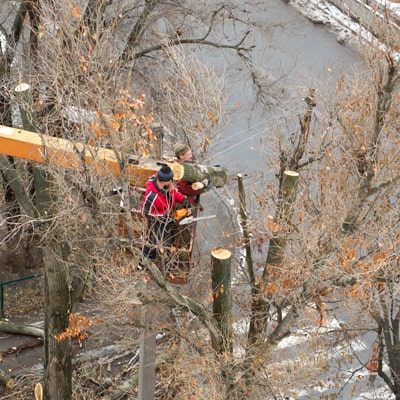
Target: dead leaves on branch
78 328
129 124
372 272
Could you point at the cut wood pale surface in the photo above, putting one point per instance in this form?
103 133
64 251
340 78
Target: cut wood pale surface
220 253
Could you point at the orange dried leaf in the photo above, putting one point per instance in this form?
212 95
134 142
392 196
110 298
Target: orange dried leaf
119 115
75 12
41 30
272 225
114 125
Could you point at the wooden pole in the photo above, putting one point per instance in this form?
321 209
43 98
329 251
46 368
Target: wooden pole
147 354
222 298
147 365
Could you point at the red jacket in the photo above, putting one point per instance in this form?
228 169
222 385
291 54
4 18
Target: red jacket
156 203
185 188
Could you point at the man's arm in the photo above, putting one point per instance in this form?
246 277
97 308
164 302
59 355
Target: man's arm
186 189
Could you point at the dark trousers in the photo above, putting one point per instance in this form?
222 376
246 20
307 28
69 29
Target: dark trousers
161 238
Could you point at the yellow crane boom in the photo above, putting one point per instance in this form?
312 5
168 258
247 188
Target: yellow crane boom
69 154
75 155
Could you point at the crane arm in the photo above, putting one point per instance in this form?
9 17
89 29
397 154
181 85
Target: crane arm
69 154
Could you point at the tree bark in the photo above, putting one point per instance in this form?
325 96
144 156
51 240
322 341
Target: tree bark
192 172
26 107
16 185
222 298
276 250
246 237
58 353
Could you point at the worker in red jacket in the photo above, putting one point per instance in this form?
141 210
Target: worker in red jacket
159 203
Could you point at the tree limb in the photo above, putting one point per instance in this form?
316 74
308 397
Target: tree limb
22 329
16 185
138 27
184 301
201 41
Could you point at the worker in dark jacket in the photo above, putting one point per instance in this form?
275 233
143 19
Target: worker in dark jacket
184 153
159 203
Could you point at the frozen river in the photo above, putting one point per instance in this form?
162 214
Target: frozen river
293 55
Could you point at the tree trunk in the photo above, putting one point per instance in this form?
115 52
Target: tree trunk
222 313
222 299
26 107
192 172
277 243
246 237
276 251
58 355
22 329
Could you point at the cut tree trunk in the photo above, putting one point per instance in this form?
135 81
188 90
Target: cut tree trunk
22 329
191 172
58 353
222 300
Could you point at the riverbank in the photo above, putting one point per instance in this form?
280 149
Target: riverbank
350 18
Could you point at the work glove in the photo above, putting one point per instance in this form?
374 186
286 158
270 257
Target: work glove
207 183
204 184
197 185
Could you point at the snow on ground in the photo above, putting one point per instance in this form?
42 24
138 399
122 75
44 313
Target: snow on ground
337 373
345 379
324 12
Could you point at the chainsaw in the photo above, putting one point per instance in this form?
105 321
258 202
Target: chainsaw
184 216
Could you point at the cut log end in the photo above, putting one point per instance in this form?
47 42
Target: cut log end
38 391
290 173
22 87
177 169
220 253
